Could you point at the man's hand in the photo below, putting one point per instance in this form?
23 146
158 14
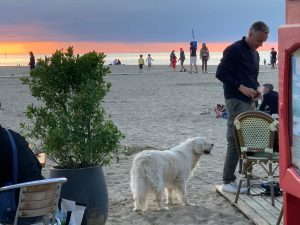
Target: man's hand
249 92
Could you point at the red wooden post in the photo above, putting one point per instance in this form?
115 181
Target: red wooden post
289 128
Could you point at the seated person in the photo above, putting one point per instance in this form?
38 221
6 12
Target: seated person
115 62
269 100
29 168
270 105
220 111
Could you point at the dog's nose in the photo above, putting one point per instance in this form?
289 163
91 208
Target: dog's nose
207 151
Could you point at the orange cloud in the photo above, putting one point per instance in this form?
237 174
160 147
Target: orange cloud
108 47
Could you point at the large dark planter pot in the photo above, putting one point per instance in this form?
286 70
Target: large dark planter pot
86 186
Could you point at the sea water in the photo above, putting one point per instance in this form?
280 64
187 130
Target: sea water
160 58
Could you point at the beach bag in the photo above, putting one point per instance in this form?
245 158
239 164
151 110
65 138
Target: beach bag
8 204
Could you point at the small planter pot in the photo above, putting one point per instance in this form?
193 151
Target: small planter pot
86 186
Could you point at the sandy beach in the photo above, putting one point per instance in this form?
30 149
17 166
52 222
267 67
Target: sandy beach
158 110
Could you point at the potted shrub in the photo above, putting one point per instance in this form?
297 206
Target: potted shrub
70 122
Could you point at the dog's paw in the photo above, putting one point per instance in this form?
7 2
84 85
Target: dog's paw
169 202
188 204
136 209
162 208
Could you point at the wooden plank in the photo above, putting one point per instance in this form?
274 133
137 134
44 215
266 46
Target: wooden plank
258 207
36 212
38 196
244 208
37 204
43 187
277 200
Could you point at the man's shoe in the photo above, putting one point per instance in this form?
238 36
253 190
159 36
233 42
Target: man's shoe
232 188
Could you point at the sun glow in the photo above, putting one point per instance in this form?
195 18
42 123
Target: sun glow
109 47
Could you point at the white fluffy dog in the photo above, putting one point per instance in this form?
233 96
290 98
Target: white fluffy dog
153 171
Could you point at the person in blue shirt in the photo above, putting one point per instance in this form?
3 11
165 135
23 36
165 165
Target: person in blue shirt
269 102
238 71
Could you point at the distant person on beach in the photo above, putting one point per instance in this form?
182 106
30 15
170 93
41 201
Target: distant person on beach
116 62
269 102
265 62
238 71
174 61
193 57
204 55
141 62
182 59
31 61
172 54
149 62
273 56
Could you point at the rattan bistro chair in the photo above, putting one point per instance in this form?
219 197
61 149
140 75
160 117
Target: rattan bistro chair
37 198
254 136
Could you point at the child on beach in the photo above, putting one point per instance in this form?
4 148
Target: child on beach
171 57
149 61
141 63
174 61
220 111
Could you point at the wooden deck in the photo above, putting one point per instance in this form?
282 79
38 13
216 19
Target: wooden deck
257 208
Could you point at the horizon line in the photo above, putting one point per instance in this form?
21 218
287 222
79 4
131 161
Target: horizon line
48 47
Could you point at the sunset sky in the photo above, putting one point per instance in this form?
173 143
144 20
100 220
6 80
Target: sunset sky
131 25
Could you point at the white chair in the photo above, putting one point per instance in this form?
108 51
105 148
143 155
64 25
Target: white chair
37 198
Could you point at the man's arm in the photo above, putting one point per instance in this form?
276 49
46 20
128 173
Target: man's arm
226 72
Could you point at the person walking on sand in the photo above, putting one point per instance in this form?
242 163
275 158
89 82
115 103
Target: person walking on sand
182 59
149 62
204 55
238 71
141 63
31 61
174 61
172 54
193 57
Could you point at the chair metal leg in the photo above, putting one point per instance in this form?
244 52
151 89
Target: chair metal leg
280 216
240 166
271 183
238 191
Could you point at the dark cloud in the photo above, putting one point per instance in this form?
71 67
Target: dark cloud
135 20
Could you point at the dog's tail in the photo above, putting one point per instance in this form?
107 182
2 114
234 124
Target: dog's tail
139 188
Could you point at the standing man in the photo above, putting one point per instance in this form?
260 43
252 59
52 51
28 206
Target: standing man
238 71
31 61
182 59
193 57
273 56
